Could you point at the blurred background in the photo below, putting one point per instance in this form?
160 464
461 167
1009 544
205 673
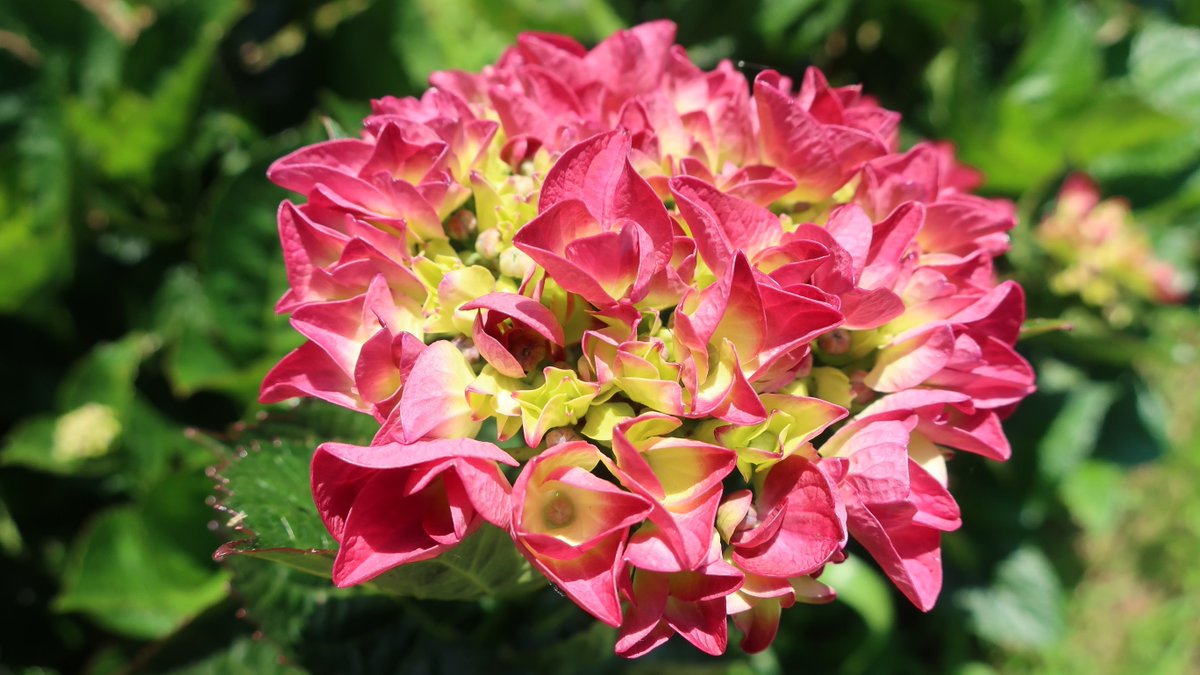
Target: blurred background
139 265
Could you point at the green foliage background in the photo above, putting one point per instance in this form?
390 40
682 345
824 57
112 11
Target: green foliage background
139 266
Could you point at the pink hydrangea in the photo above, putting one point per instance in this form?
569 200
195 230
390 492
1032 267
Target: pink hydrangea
731 323
1101 254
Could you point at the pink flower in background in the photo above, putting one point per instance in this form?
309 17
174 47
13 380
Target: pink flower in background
734 325
1103 255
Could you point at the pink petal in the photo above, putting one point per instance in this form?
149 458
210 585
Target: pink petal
383 529
529 312
936 508
909 554
723 225
911 362
494 352
890 243
405 455
961 223
589 579
913 400
434 399
862 433
643 628
979 433
867 310
810 531
309 371
546 237
375 374
597 171
302 169
487 490
852 230
879 475
759 625
792 140
758 184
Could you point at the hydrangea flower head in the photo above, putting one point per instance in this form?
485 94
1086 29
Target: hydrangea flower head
1103 255
727 326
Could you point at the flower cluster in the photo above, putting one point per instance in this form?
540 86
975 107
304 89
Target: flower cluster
1104 256
726 326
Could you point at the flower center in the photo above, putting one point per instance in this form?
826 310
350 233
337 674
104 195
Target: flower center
527 347
559 511
835 342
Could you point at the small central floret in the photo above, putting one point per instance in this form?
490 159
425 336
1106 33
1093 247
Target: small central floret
559 511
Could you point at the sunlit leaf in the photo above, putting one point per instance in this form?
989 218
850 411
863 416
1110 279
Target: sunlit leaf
1074 433
1023 608
1038 326
862 588
1093 494
468 34
1162 65
139 570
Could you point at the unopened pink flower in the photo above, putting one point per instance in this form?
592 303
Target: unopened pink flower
516 334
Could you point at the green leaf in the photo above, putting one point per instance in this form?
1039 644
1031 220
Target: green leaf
359 630
35 198
1116 121
265 479
1060 63
1024 607
1162 66
1038 326
798 25
866 592
127 132
30 444
1072 435
107 373
139 570
469 34
245 656
219 320
485 564
70 444
1161 157
1032 122
153 446
101 411
326 629
1134 431
184 318
1094 496
268 498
